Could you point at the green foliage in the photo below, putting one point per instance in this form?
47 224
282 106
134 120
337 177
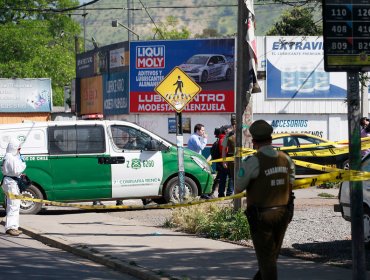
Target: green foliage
297 21
170 30
211 221
208 33
326 195
32 44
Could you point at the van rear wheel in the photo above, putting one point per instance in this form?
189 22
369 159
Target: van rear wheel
171 191
30 207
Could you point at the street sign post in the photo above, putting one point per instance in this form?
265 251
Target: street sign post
347 48
178 89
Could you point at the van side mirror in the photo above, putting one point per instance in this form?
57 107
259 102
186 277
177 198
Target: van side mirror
152 145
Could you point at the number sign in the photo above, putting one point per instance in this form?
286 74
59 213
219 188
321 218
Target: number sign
346 35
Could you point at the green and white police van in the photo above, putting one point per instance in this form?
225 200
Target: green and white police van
76 161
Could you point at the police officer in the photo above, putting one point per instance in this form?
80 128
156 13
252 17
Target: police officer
268 178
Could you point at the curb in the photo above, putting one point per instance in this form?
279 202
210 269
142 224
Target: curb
94 255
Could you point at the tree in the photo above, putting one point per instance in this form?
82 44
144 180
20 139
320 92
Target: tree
38 44
169 30
208 33
298 21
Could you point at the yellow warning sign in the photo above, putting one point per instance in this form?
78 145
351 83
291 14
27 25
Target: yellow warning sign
178 89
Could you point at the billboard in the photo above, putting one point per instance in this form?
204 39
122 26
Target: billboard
91 95
210 62
107 68
25 95
295 69
116 93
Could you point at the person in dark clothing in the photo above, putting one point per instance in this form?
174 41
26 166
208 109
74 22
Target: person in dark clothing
226 178
268 177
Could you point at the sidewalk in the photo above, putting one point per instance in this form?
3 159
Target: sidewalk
154 253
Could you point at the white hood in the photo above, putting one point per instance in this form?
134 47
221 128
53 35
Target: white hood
13 146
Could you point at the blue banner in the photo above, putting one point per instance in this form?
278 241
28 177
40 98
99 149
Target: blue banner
209 62
116 93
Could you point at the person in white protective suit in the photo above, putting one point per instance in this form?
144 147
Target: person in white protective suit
13 165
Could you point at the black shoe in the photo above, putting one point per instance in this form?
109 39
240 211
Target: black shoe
119 202
97 202
12 232
146 201
205 196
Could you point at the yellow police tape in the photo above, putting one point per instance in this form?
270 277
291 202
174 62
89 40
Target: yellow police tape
127 207
334 175
243 152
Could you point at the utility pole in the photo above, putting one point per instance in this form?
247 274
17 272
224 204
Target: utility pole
128 20
84 23
77 45
242 85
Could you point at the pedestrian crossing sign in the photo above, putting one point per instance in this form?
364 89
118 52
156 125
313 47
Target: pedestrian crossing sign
178 89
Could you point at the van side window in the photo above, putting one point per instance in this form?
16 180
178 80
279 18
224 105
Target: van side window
76 139
129 138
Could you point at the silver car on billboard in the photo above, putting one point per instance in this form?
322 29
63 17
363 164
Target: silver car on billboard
207 67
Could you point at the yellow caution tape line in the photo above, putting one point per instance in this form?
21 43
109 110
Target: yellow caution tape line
328 152
337 176
241 152
127 207
316 166
287 148
313 153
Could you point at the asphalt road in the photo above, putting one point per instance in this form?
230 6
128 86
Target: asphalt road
25 258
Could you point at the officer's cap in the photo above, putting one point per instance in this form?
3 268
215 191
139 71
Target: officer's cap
260 130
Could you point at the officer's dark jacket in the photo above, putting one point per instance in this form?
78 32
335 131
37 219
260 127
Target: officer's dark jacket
271 187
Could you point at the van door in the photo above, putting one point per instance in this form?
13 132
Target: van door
79 166
141 174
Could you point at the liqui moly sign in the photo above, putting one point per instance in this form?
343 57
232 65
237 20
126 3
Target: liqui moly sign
148 57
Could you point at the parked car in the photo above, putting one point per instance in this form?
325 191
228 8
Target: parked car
73 161
344 205
301 140
207 67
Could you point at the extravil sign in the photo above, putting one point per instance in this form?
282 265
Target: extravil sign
151 62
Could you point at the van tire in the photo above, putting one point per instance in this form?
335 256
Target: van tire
171 192
345 165
30 207
159 200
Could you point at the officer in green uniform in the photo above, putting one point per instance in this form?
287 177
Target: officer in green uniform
268 177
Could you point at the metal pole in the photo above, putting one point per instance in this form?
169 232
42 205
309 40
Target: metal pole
180 156
128 20
357 226
77 45
84 23
364 95
242 82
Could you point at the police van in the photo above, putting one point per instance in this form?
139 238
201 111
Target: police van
75 161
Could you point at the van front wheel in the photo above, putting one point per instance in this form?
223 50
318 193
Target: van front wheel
30 207
171 191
